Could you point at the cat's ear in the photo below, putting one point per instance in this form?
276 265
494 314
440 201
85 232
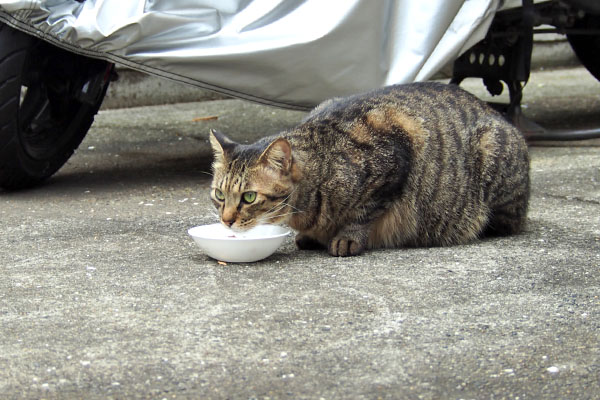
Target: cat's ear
278 156
220 144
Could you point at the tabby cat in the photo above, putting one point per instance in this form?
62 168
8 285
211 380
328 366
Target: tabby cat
423 164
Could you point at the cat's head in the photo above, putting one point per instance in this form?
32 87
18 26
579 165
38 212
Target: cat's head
251 183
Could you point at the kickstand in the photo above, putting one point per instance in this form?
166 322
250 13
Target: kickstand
531 130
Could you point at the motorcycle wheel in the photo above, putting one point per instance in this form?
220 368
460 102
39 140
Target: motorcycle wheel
48 99
586 47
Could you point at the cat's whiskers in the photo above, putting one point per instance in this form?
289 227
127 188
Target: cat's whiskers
295 208
284 199
273 215
282 207
283 204
284 214
278 212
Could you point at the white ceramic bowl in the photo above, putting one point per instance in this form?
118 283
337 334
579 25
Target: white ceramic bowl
223 244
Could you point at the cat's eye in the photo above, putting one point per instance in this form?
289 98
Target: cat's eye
219 195
249 197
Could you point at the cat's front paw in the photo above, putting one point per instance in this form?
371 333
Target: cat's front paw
345 247
304 242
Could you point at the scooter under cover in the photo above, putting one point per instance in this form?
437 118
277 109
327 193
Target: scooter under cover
288 53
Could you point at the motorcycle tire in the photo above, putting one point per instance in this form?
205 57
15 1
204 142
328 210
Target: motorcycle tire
587 47
48 99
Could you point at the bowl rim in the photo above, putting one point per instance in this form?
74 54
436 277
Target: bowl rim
287 232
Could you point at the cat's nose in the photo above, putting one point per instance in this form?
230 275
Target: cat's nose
228 217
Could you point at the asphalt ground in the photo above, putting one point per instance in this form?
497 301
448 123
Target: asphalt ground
103 294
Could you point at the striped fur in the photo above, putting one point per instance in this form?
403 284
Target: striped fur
423 164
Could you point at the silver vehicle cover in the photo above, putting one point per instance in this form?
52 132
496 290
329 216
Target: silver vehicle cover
289 53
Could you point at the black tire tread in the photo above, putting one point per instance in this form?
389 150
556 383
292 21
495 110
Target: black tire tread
17 169
10 51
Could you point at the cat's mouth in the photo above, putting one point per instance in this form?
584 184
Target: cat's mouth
239 228
243 227
279 216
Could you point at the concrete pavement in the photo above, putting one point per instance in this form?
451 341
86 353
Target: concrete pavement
103 295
